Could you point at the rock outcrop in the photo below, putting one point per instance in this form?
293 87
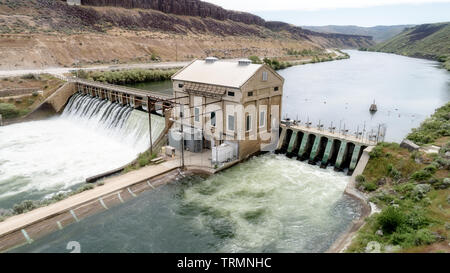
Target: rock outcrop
182 7
202 9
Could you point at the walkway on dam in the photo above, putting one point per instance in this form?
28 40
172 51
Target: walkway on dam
122 89
348 137
112 185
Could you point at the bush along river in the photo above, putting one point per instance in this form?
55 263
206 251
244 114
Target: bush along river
271 203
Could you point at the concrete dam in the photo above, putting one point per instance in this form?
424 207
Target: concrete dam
321 147
120 121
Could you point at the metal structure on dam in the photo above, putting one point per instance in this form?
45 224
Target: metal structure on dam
317 145
132 97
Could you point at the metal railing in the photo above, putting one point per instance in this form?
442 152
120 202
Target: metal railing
370 137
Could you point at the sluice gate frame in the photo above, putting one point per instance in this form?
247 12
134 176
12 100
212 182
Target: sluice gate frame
321 147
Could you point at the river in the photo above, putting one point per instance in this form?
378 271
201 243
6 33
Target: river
406 91
269 203
262 205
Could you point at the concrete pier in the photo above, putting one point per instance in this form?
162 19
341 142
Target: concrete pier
327 154
316 145
315 149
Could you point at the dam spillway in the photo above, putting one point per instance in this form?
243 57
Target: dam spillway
322 148
118 121
39 159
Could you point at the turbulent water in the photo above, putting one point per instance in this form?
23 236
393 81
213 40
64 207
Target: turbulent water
91 136
267 204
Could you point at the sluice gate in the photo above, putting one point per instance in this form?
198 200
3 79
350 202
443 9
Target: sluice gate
321 147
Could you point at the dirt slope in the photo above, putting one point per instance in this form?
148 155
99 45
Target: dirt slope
46 33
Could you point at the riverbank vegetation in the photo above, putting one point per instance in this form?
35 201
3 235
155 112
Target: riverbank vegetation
144 159
315 57
428 41
412 190
433 128
21 95
29 205
272 62
127 76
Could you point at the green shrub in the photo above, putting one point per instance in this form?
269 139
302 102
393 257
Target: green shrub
84 188
390 219
30 77
275 64
8 110
255 59
143 161
24 206
376 152
409 238
360 179
432 168
417 219
424 237
128 76
393 172
433 128
155 57
421 175
370 186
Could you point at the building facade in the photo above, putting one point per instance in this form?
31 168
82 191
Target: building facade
230 107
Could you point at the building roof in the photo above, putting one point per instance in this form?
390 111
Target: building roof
222 73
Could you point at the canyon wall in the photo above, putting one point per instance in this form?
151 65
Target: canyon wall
182 7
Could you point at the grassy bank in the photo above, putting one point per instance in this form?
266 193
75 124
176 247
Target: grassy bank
128 76
412 191
433 128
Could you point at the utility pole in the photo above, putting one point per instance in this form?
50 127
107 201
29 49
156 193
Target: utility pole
182 135
176 50
149 108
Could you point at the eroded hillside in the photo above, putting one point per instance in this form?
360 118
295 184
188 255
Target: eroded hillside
44 33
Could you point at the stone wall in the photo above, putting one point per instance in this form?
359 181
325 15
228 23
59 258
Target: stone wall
59 99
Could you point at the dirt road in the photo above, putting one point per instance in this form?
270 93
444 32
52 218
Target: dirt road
64 70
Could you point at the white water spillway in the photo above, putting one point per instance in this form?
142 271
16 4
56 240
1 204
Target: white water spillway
91 136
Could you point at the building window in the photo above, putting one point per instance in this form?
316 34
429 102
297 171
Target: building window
197 114
262 119
265 76
180 85
230 122
250 94
276 88
213 119
248 123
230 94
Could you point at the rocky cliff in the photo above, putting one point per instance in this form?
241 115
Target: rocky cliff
182 7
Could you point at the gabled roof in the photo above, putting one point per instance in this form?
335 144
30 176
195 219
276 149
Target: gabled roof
221 73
